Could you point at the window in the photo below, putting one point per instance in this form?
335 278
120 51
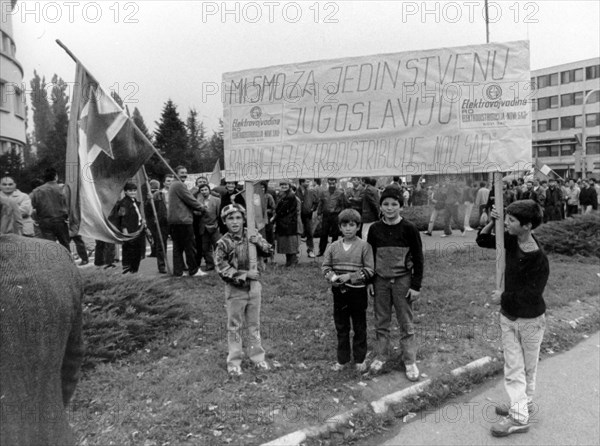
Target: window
544 151
554 150
3 98
567 122
553 101
553 124
594 97
578 75
567 149
543 81
553 79
592 72
534 105
19 106
575 75
533 127
542 125
578 98
592 148
592 119
566 100
578 121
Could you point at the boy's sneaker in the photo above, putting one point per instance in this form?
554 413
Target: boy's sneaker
337 367
412 372
311 254
503 409
376 366
200 273
507 426
428 233
361 366
445 235
263 365
234 370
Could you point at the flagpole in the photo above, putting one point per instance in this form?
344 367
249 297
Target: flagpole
70 53
160 237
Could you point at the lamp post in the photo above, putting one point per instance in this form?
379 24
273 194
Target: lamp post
583 136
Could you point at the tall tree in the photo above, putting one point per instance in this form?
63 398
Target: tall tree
57 138
171 136
43 119
196 142
217 145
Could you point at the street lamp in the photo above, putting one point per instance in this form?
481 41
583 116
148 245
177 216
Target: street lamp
583 137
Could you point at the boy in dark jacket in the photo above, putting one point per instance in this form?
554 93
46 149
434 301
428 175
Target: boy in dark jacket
128 219
522 310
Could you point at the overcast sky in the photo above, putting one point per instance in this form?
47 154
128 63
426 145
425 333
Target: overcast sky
150 51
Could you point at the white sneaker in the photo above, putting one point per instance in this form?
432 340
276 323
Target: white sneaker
311 255
337 367
412 372
200 273
361 366
376 366
469 229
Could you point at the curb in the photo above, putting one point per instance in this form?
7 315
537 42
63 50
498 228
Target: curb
379 406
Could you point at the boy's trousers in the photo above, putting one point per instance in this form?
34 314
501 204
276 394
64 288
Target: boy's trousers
350 306
521 341
391 293
243 323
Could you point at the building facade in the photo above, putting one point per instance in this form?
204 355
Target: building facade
12 100
558 117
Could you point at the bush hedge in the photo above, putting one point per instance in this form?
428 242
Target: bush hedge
122 314
578 235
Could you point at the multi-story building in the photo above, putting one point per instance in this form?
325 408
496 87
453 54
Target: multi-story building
558 117
12 101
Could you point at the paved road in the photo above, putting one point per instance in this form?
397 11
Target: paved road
568 401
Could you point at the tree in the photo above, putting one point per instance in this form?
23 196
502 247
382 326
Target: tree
196 141
43 119
171 136
56 142
217 146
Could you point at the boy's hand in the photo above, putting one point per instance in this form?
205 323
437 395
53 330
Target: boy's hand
493 213
370 289
253 239
496 296
412 295
252 275
344 278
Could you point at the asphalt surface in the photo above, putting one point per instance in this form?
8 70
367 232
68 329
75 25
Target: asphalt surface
568 402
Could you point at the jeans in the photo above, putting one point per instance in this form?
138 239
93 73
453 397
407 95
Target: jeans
329 227
56 231
243 323
132 254
308 231
452 213
521 340
350 311
392 293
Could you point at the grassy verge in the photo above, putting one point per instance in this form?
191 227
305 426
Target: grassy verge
175 389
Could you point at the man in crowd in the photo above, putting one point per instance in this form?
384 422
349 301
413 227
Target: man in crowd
588 198
159 198
355 197
572 198
481 198
370 205
8 189
51 209
208 227
309 201
181 204
553 202
332 202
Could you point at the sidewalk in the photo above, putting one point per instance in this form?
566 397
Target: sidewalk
568 404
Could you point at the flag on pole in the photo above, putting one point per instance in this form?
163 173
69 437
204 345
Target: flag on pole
104 150
215 176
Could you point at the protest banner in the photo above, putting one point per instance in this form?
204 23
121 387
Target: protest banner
449 110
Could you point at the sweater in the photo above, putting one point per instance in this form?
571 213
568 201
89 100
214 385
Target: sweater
357 261
41 350
398 251
525 277
181 204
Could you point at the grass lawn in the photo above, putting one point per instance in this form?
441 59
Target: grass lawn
163 379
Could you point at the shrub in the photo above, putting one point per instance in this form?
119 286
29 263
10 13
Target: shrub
572 236
124 313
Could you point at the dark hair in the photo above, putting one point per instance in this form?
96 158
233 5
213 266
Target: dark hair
373 181
482 184
50 174
302 181
318 181
526 211
178 168
203 185
396 179
35 183
349 215
130 186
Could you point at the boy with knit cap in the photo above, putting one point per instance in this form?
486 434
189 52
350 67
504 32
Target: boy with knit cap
398 254
242 290
348 266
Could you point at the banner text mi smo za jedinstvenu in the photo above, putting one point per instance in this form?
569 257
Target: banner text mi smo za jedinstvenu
449 110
